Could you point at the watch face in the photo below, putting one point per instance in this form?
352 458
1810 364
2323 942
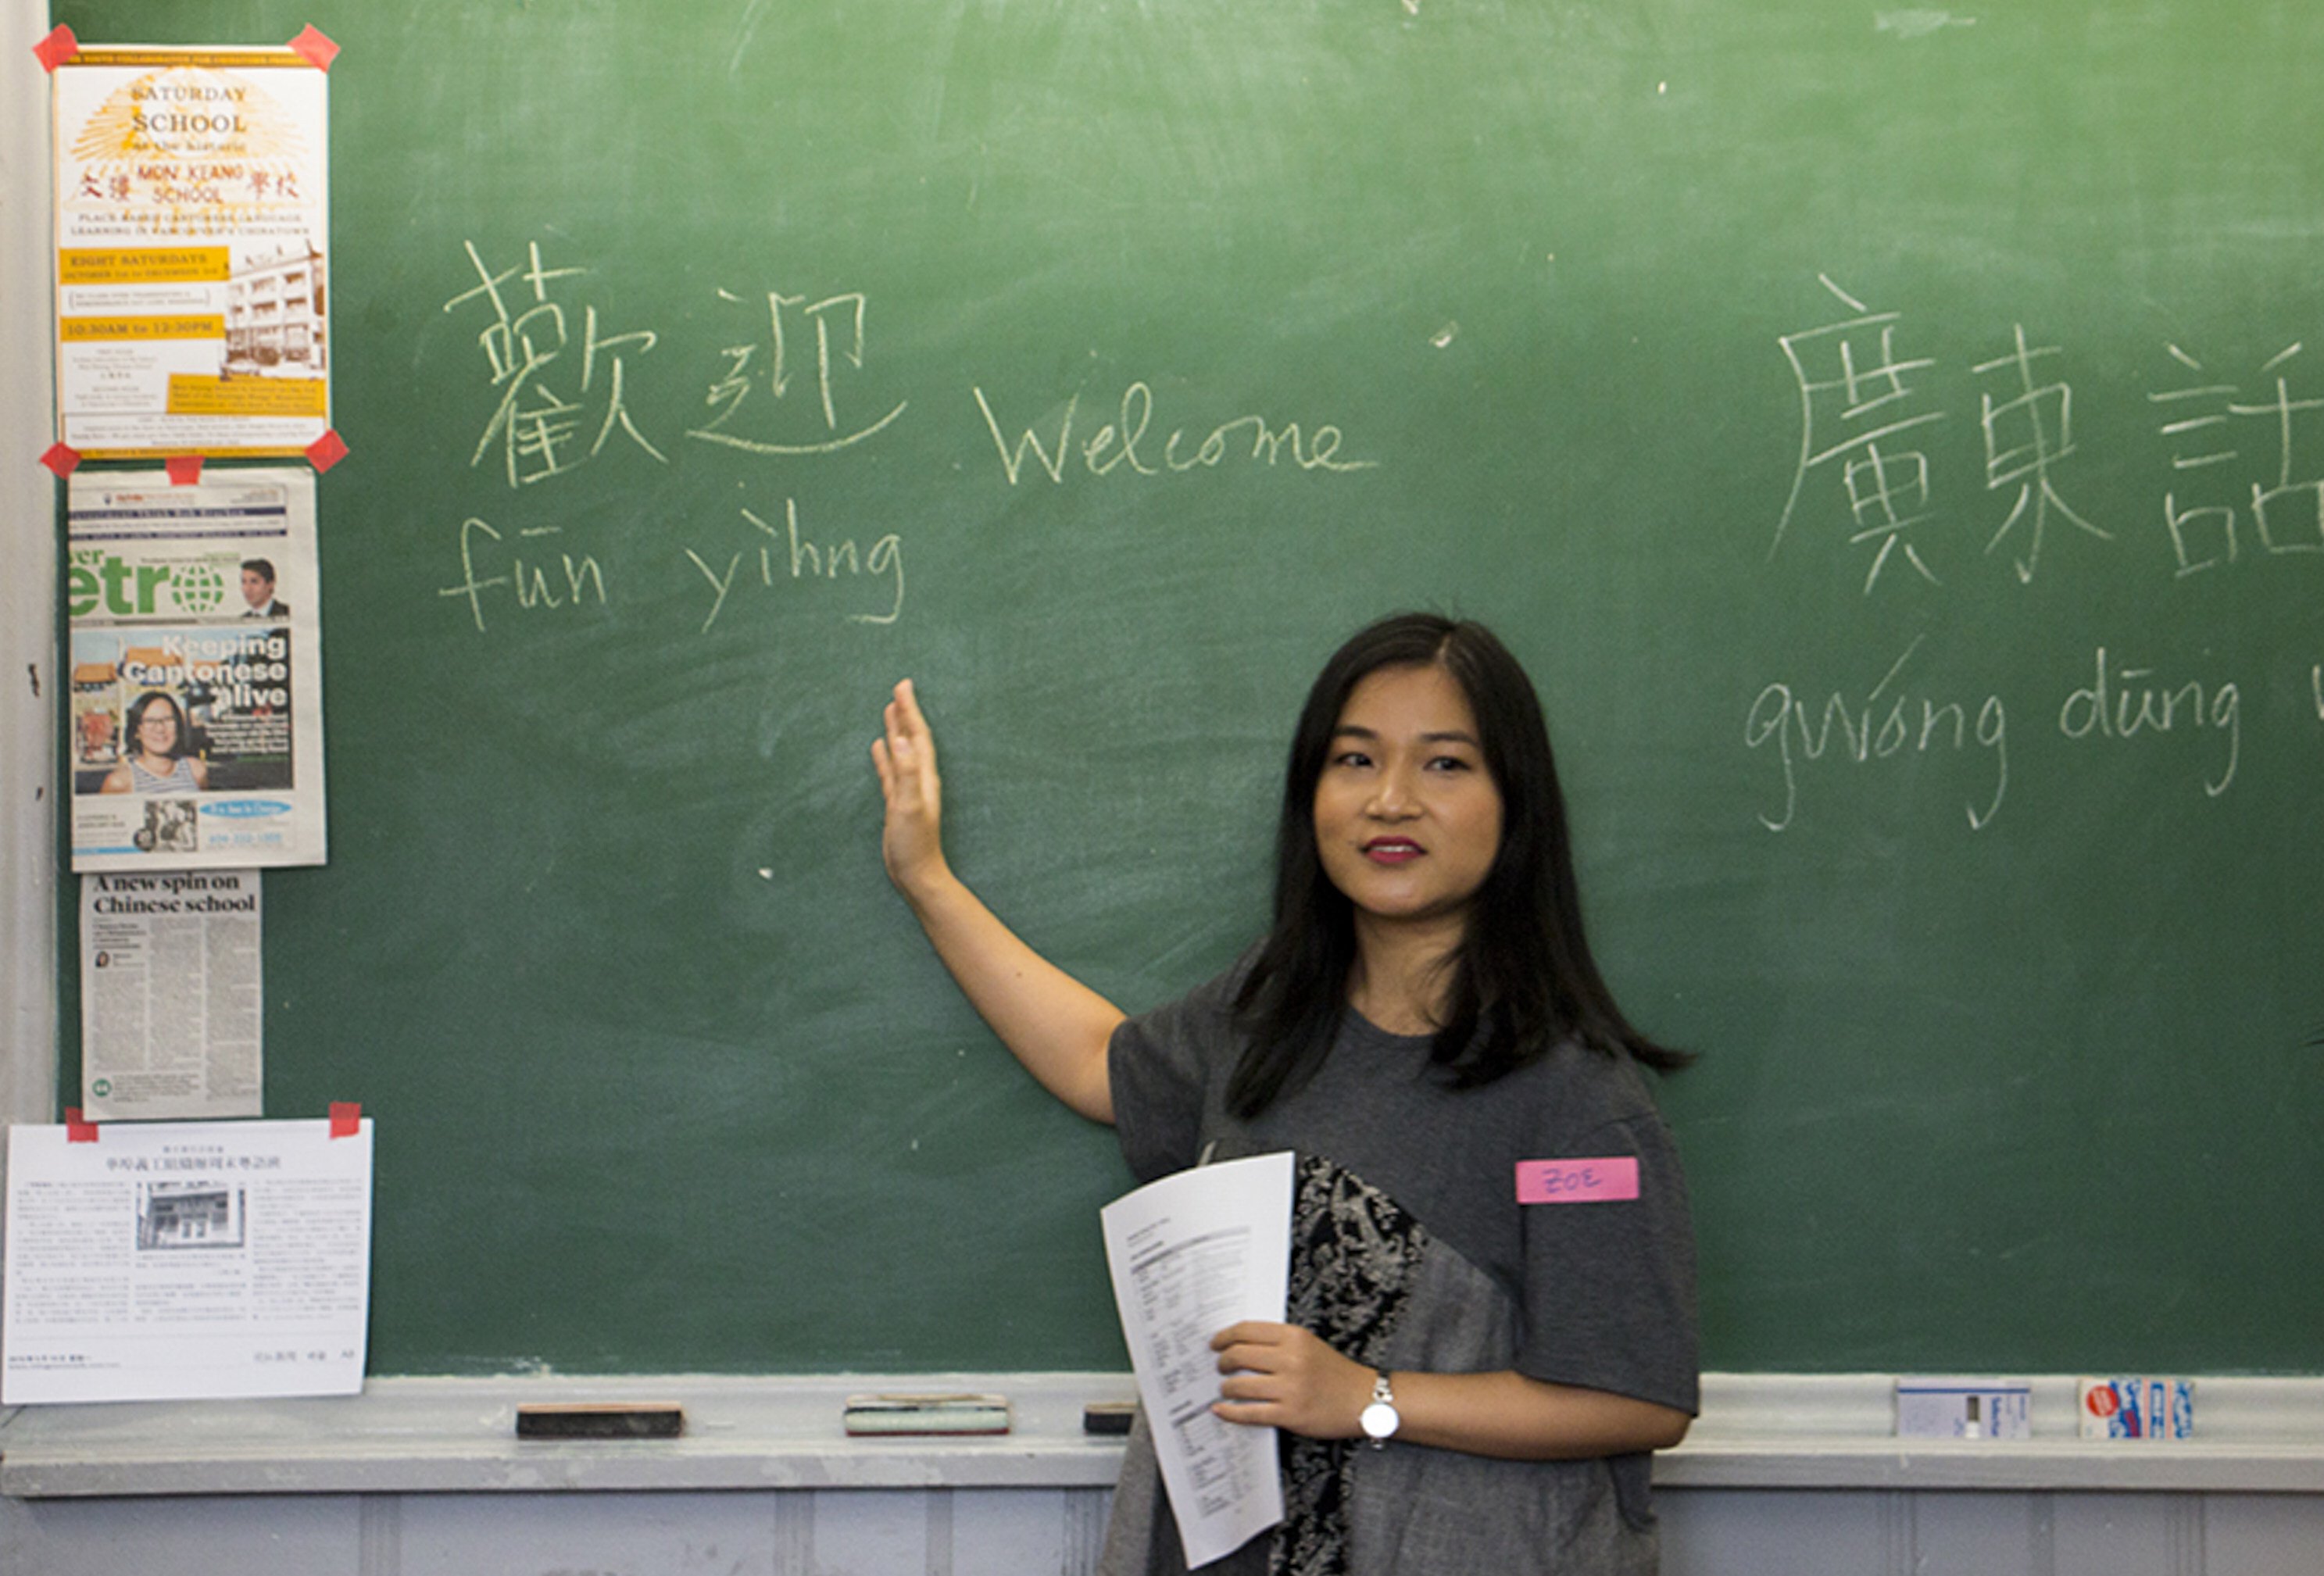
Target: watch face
1378 1420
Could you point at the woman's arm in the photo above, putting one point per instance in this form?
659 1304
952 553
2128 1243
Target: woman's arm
1056 1024
1285 1375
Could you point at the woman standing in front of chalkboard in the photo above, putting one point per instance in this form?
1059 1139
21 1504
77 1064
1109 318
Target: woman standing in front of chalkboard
1477 1365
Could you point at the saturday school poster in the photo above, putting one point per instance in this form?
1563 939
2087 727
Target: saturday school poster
192 253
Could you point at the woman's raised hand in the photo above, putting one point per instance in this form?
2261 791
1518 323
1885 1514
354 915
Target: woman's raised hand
911 842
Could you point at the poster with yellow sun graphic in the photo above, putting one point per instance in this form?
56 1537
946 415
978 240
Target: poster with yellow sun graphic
192 227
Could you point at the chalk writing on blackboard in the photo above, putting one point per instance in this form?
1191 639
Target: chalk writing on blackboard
566 582
1868 731
2114 705
2202 425
788 556
1861 401
2026 436
1124 446
2121 703
497 574
1865 408
1858 399
738 383
2201 440
541 431
1917 23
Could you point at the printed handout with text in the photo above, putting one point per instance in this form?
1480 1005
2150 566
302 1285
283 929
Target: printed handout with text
192 223
197 731
180 1261
1190 1255
169 1003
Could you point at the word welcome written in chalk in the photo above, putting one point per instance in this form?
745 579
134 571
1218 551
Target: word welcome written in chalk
1126 445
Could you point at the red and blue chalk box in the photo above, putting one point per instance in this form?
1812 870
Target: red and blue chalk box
2142 1407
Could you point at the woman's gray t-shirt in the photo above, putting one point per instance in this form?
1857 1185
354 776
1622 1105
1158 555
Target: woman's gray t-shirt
1597 1294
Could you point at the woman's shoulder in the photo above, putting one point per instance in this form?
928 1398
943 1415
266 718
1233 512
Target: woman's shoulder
1210 1005
1587 1086
1166 1064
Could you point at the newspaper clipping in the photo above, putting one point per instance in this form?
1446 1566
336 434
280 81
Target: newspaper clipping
197 689
173 1261
170 996
191 217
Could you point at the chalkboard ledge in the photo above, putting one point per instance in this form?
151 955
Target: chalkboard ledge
415 1435
445 1435
1838 1431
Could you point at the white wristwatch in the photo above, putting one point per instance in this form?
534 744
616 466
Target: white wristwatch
1380 1420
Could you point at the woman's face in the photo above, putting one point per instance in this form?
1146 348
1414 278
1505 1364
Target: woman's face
157 729
1407 818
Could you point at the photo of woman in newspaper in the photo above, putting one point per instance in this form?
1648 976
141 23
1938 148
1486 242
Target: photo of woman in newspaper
160 758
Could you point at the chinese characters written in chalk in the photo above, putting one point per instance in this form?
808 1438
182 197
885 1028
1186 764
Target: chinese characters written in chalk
1869 421
737 383
792 382
560 395
549 387
558 373
1863 415
2244 485
2207 423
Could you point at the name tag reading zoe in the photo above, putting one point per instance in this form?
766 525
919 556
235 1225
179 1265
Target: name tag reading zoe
1607 1180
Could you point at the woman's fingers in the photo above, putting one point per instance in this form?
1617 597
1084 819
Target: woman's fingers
1283 1375
904 756
905 720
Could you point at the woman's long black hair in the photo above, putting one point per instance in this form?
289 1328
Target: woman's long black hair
1522 979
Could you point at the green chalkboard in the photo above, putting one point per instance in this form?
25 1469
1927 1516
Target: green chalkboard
1891 437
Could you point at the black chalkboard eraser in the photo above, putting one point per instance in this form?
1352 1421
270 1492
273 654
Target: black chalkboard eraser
601 1420
1108 1416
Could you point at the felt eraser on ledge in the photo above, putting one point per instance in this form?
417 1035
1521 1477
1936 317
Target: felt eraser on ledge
1963 1408
948 1412
1105 1418
600 1420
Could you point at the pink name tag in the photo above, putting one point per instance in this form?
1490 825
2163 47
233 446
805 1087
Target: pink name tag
1578 1182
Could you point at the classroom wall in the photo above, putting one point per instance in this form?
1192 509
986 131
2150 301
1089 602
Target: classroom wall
27 588
27 630
1792 1476
1057 1531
